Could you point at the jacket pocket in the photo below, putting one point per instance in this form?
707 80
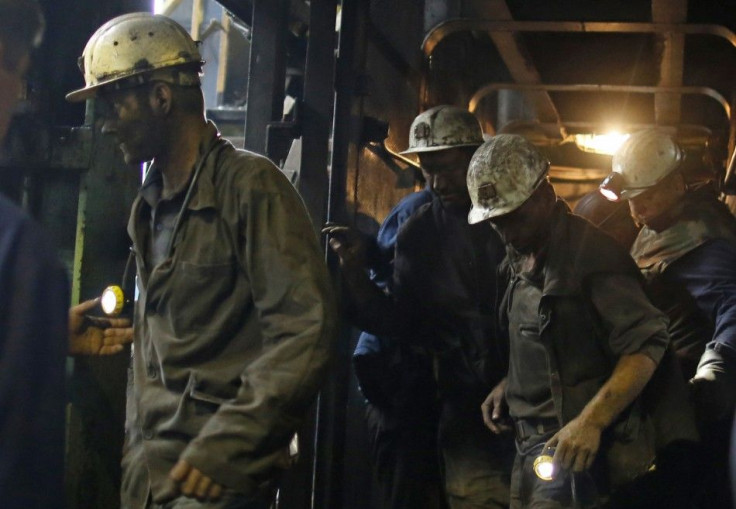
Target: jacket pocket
204 401
199 295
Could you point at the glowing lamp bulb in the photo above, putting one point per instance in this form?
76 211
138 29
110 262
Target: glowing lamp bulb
610 195
112 300
612 187
544 467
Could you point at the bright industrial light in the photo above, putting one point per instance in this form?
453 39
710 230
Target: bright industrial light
600 143
544 467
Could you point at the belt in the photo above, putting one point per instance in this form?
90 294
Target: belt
526 428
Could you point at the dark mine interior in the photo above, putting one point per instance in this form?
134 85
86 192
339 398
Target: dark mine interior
328 91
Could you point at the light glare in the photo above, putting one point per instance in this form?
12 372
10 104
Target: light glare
109 301
609 195
606 144
546 470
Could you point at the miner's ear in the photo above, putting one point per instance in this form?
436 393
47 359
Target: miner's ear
160 98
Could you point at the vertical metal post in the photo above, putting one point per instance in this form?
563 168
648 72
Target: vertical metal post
223 58
266 75
351 45
197 18
317 108
730 200
332 416
316 113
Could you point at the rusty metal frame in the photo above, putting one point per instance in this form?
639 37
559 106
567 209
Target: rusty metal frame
436 34
493 87
636 126
445 28
668 107
265 91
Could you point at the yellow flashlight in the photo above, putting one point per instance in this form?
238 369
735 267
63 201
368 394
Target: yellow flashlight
112 300
544 467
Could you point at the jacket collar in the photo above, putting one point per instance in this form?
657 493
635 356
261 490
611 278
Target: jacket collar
203 195
703 219
559 273
579 250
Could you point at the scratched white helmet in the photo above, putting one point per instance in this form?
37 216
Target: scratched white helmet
443 127
135 48
503 174
644 160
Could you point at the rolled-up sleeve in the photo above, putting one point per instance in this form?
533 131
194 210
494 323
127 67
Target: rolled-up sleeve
635 325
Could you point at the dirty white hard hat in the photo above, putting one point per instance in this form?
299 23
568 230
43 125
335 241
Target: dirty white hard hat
135 48
504 172
443 127
644 160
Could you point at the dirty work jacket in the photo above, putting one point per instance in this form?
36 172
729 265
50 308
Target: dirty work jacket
34 339
392 376
582 345
691 271
444 290
232 331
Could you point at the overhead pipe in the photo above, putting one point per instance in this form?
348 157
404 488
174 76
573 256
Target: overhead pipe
445 28
493 87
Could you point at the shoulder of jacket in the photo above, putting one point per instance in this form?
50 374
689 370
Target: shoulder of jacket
595 252
418 224
243 167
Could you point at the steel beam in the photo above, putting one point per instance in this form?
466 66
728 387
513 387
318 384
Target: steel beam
170 6
442 30
197 19
223 57
266 76
243 9
706 91
329 462
667 107
692 131
317 107
522 69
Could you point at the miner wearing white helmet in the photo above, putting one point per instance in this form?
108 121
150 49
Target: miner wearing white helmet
583 338
686 250
234 319
443 299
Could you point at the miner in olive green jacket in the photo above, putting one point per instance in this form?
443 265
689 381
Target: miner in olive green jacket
232 328
235 317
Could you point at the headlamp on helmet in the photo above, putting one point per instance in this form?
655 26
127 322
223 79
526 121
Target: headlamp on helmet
642 162
612 187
